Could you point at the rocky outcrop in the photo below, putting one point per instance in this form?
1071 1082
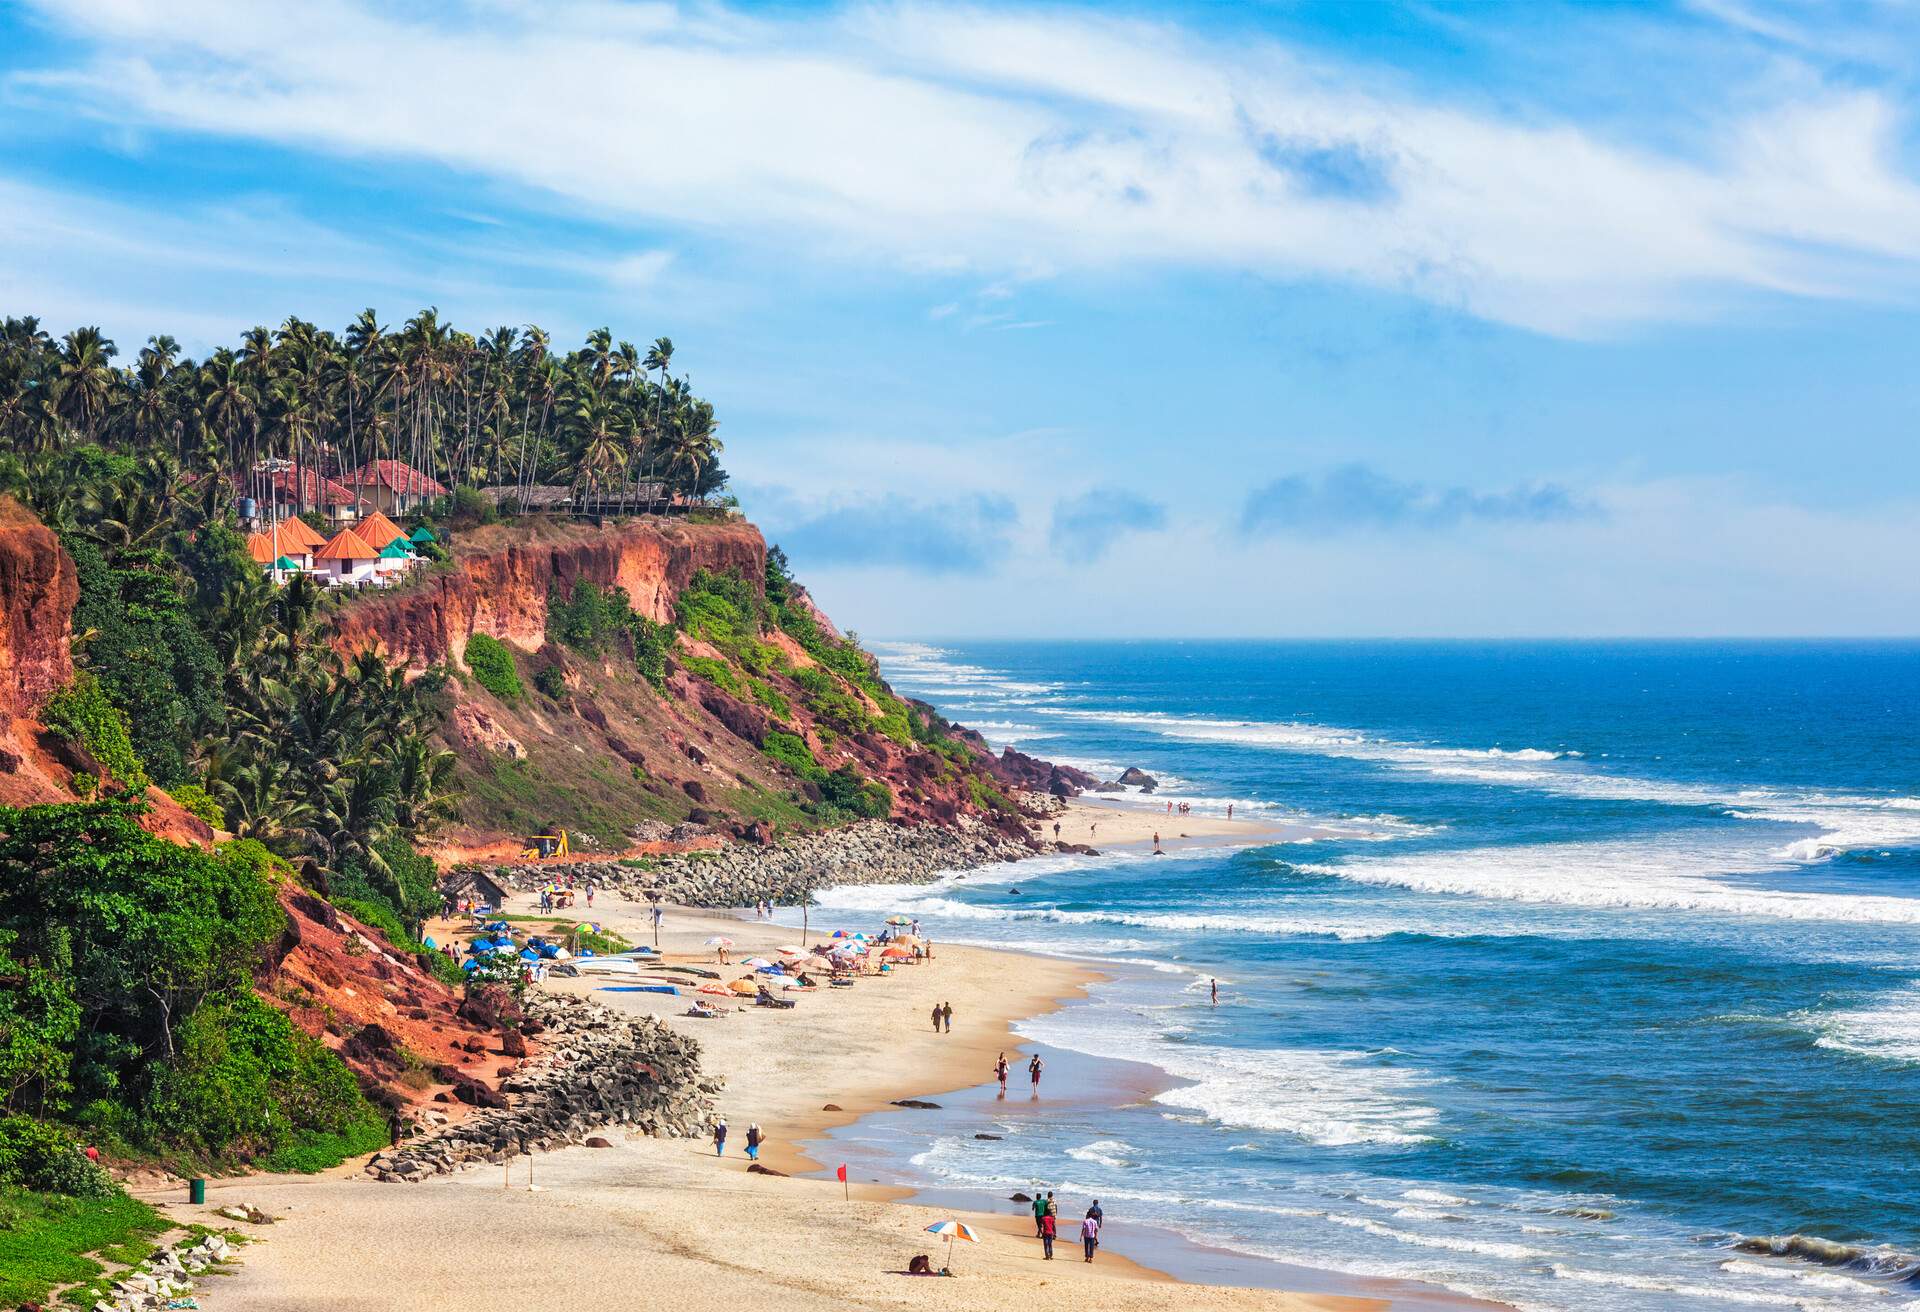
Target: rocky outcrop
38 590
597 1068
1134 777
872 852
501 576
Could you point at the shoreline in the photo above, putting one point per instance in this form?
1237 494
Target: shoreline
837 1059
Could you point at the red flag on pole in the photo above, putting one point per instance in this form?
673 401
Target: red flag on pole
845 1189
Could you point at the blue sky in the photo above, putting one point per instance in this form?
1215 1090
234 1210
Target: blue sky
1187 319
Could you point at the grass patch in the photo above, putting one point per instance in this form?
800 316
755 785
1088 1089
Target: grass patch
45 1239
320 1150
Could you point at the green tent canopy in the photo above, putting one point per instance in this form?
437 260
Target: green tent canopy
285 563
396 550
423 534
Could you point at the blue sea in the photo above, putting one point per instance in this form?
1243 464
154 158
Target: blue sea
1600 988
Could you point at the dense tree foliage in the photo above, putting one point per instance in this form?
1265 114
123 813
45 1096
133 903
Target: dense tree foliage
125 991
500 409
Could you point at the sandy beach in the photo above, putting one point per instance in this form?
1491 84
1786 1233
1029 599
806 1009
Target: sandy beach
1132 820
665 1222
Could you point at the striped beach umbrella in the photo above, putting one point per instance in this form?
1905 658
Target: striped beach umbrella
953 1230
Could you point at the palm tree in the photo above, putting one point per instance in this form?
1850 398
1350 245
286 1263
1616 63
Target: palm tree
83 380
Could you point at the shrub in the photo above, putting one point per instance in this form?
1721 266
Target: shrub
550 681
472 505
716 672
34 1155
650 645
589 618
196 801
791 751
845 790
492 665
81 712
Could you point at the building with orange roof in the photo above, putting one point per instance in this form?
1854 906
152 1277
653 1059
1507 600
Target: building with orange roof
377 531
347 560
277 544
300 534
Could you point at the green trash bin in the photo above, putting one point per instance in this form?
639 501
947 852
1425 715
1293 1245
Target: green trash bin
196 1191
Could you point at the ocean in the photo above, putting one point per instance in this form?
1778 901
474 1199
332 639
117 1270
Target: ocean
1606 995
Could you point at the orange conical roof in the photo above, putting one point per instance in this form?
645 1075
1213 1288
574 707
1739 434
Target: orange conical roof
260 547
376 530
347 545
298 533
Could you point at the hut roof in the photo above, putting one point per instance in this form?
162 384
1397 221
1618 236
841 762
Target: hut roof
347 545
285 562
376 530
260 547
297 532
396 551
422 534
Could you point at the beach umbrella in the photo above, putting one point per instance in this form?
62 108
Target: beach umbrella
841 933
785 950
896 951
899 920
745 987
719 941
756 963
953 1230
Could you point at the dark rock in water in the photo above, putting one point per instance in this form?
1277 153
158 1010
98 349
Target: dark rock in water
1020 1198
1134 777
833 1107
994 1137
754 1168
597 1142
918 1104
1106 788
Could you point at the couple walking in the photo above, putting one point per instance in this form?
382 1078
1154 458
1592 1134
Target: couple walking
1034 1067
943 1016
1046 1224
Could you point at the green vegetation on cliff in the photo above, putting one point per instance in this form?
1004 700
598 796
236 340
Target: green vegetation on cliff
128 1010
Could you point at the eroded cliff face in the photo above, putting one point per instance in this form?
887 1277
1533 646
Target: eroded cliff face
37 595
615 762
504 573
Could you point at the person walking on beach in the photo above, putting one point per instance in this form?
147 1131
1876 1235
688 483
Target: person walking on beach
946 1016
589 893
1156 842
720 1138
1039 1214
1090 1234
1229 810
936 1018
1034 1068
754 1140
1048 1226
1000 1073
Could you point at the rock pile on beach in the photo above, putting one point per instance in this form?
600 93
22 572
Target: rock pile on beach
166 1276
872 852
596 1068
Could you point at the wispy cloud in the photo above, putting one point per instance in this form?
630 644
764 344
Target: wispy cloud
944 137
1357 498
1088 526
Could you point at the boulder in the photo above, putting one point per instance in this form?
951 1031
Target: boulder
1134 777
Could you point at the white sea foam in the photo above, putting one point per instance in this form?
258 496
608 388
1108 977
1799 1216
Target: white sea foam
1641 874
1331 1098
1800 1276
1686 1289
1887 1027
1110 1153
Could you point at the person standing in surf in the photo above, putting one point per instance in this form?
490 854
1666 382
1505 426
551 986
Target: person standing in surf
1000 1073
1034 1068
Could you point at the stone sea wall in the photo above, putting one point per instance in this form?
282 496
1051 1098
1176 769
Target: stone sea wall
873 852
596 1068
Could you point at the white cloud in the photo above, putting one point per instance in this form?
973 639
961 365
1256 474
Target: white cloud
942 137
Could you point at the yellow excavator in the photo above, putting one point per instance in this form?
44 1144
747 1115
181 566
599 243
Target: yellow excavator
546 846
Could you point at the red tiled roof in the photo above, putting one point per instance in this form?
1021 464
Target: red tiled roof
319 491
398 475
